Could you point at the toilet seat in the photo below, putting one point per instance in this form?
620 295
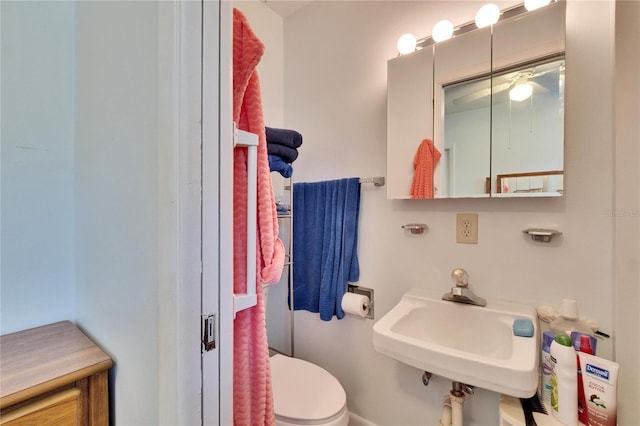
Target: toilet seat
304 393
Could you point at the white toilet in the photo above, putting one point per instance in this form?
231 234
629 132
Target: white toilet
305 394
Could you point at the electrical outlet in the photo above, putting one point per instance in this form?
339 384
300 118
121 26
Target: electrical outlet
467 228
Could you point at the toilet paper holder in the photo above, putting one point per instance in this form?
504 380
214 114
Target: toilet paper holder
365 292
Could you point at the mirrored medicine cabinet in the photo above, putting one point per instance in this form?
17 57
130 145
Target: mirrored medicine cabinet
491 100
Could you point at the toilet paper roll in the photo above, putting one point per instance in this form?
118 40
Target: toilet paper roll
355 304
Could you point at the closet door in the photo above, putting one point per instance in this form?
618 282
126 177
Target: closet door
217 211
189 174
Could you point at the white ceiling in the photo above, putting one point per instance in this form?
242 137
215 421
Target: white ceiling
285 8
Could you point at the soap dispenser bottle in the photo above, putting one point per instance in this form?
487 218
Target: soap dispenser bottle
564 383
546 367
569 320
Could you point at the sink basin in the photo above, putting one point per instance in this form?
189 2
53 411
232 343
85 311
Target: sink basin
465 343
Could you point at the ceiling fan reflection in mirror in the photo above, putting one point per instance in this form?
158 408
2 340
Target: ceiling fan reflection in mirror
515 84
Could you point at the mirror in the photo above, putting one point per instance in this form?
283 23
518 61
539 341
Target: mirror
527 143
526 134
462 87
485 142
409 116
527 152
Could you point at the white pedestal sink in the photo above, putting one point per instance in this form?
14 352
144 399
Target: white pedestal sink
465 343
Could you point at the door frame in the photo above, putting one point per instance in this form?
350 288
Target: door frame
195 213
217 208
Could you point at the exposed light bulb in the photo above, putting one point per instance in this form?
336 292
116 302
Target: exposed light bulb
406 43
442 31
487 15
521 92
535 4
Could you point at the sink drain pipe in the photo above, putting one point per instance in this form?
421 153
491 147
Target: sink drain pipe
452 406
445 418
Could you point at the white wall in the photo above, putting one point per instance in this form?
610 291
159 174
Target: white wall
116 196
99 170
626 211
335 96
37 284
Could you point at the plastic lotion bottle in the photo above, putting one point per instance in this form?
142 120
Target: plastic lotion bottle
564 383
569 319
546 367
600 379
585 347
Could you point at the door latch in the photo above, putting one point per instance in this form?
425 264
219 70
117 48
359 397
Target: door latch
208 332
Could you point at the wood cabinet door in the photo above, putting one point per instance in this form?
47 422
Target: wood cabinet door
61 409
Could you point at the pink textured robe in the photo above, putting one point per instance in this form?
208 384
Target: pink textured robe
252 396
426 158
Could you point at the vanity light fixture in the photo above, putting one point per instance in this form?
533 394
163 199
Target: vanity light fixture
521 92
406 43
487 15
535 4
442 31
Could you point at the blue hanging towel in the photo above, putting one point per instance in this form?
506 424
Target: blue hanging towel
325 244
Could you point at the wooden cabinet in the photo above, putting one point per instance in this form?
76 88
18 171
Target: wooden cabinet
53 375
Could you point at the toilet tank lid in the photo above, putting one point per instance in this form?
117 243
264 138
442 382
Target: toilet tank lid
305 391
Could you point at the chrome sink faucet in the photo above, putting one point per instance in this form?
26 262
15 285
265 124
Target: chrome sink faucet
461 293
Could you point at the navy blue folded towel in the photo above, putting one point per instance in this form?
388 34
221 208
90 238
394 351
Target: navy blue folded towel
285 137
325 244
282 208
289 155
277 164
